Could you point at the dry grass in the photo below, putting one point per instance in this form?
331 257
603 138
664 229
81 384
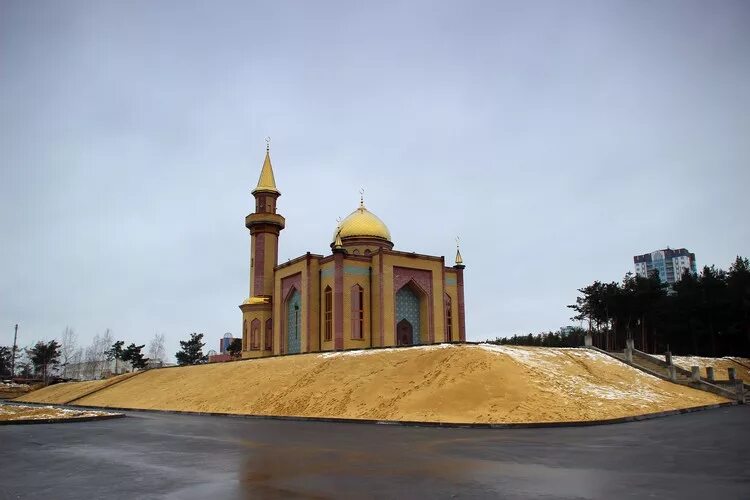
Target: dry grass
460 384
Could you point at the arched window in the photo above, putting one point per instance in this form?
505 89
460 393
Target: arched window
244 335
255 335
269 335
293 306
448 319
358 312
367 251
328 314
356 251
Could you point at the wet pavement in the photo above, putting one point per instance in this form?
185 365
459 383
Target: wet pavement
150 455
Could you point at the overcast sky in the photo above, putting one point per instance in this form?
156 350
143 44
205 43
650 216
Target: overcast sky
558 139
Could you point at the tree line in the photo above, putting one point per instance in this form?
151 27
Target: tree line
66 359
703 315
568 337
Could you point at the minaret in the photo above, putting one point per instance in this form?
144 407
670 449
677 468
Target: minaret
264 225
459 267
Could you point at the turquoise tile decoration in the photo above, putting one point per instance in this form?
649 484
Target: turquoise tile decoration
407 307
293 316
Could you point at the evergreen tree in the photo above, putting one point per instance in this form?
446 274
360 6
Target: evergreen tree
738 298
115 352
235 348
191 350
44 356
133 354
706 315
6 361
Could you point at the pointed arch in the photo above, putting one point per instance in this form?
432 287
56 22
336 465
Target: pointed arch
255 335
448 308
268 344
411 305
328 313
357 302
244 335
293 319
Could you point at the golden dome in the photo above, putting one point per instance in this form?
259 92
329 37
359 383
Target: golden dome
364 224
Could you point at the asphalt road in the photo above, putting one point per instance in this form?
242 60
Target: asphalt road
702 455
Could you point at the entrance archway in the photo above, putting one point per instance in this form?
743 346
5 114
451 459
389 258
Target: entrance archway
404 332
409 306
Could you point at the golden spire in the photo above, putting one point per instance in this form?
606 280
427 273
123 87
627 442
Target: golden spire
338 244
266 182
459 259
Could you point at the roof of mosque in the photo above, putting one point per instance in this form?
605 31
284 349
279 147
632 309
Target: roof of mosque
362 223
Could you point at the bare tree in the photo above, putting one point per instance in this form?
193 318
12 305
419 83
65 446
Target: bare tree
69 344
156 351
75 365
95 356
102 358
89 359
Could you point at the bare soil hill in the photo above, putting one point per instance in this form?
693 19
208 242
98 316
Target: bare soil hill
70 391
443 383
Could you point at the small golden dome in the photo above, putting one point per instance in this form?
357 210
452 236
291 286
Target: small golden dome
256 300
362 223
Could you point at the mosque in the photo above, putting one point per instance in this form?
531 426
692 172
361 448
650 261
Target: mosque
364 294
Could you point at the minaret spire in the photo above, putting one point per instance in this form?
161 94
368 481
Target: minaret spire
266 181
459 259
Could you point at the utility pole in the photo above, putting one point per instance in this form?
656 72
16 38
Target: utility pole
13 355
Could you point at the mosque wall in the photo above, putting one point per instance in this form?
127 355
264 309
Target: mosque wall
291 277
356 277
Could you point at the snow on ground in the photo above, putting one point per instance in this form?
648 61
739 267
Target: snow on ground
559 368
24 412
13 385
554 366
365 352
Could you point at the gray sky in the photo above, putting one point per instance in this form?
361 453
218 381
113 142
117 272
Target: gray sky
558 139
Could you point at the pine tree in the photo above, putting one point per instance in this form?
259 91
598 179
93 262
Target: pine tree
133 354
44 356
235 348
191 350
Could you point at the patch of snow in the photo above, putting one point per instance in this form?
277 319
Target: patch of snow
365 352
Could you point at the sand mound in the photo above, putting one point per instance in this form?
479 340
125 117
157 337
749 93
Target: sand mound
433 383
741 366
70 391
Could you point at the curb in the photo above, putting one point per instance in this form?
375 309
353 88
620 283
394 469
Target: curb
415 423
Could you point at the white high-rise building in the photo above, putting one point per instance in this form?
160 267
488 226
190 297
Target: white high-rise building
671 264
